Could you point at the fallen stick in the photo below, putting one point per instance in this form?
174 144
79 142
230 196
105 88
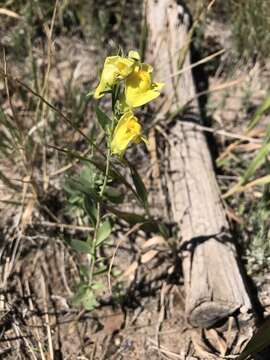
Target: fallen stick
214 285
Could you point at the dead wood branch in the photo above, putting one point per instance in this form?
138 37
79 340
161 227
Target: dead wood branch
213 281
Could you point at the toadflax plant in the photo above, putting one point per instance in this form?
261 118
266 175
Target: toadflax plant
129 83
139 89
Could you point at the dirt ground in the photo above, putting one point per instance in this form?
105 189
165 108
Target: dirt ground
144 317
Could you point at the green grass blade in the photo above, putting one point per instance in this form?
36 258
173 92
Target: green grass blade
256 163
258 342
265 106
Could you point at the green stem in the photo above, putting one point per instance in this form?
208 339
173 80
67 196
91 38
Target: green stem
94 241
106 171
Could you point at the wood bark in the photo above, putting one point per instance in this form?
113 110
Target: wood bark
213 281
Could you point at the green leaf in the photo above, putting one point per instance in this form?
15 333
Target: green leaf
164 231
114 195
80 186
139 185
155 227
79 295
89 300
80 246
98 286
101 165
258 342
86 297
103 232
103 119
101 270
90 208
130 218
90 176
84 271
116 272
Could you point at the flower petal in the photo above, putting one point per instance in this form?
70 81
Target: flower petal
134 55
157 86
127 130
115 68
143 98
139 88
100 89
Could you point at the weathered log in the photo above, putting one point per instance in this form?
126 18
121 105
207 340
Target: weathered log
214 284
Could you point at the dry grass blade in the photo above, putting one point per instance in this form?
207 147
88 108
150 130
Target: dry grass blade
9 13
12 108
261 181
200 346
264 180
47 318
55 109
24 218
44 91
223 133
62 226
254 165
163 115
34 322
262 109
28 345
217 341
69 166
134 228
165 353
213 89
197 63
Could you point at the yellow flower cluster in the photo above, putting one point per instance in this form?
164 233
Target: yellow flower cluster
139 90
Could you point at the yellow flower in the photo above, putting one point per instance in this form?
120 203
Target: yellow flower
115 68
134 55
127 130
139 88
